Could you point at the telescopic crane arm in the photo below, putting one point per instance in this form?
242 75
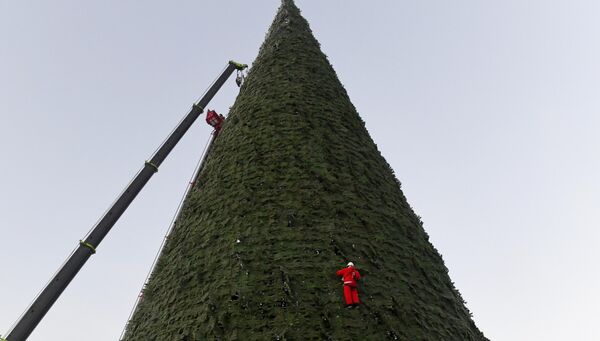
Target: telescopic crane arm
87 247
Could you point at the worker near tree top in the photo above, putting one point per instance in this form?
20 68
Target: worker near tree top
350 276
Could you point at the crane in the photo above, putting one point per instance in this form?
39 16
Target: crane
87 247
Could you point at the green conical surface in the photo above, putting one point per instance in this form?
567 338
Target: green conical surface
293 188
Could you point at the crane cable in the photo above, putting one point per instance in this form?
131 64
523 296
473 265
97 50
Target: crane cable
188 189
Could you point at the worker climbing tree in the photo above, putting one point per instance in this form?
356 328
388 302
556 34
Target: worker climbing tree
350 276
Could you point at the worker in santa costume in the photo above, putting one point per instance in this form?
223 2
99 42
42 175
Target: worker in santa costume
350 276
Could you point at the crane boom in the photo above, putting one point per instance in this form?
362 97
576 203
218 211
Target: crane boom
38 309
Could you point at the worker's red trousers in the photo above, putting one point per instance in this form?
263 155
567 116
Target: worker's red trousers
351 294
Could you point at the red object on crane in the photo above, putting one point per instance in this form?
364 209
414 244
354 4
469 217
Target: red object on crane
215 120
350 276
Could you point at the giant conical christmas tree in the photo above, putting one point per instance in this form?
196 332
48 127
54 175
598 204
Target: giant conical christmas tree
293 188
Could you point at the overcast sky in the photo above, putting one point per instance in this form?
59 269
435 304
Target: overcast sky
488 112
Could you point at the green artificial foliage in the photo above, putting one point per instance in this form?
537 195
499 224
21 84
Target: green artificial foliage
293 188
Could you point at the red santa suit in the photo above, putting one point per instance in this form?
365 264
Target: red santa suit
350 276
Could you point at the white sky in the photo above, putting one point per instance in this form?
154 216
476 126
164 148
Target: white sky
487 111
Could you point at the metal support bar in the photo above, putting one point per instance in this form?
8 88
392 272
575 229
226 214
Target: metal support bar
65 275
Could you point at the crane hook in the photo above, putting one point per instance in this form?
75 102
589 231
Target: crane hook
240 78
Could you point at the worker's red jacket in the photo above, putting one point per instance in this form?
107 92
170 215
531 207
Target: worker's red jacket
349 275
